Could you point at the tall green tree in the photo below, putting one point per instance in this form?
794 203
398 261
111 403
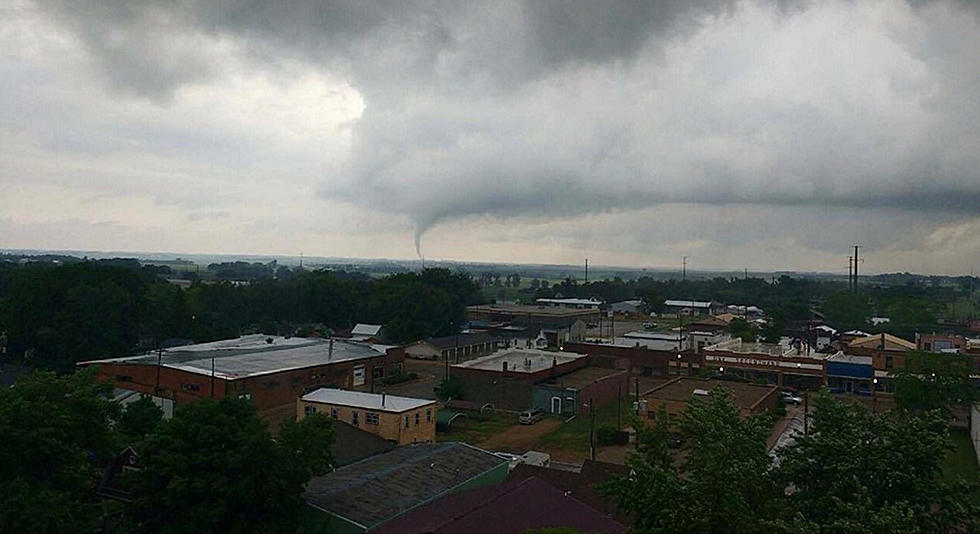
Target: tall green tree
54 433
215 467
861 472
934 381
310 442
721 485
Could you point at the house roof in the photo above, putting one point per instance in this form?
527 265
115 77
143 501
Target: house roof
882 340
369 401
459 340
387 485
520 360
251 355
581 485
685 388
687 304
571 302
514 506
363 329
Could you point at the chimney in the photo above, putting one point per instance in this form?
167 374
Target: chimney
382 399
504 365
330 350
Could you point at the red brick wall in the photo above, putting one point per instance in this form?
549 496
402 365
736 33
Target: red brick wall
607 389
268 392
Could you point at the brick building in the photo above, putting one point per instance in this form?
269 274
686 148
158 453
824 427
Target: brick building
673 396
641 360
403 420
506 378
272 371
455 348
569 394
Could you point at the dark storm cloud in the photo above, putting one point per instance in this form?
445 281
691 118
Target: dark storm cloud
557 108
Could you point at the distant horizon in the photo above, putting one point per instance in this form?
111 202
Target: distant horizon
295 260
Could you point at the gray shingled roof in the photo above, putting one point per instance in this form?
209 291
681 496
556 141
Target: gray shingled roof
381 487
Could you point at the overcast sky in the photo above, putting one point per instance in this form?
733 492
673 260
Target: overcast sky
743 134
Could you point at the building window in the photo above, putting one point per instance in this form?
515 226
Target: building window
406 421
355 418
191 387
371 418
309 409
378 371
246 396
334 414
889 362
428 415
359 375
416 419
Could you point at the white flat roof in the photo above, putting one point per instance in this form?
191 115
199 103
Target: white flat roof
687 303
520 360
584 302
367 401
660 336
250 355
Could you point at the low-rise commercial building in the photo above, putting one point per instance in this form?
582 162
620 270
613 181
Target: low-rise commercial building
574 304
569 394
364 495
847 373
506 378
534 318
272 371
674 396
778 364
403 420
641 360
455 348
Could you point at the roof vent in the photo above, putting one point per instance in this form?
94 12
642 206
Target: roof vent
269 340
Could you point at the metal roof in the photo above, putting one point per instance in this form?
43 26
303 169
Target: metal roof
687 303
362 329
251 355
379 488
368 401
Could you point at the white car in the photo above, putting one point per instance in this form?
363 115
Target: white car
790 398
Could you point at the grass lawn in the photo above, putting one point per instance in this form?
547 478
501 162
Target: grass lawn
574 435
961 461
477 428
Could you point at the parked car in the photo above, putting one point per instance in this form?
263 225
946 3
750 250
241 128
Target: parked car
531 416
649 326
791 398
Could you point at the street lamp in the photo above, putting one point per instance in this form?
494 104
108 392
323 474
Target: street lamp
874 395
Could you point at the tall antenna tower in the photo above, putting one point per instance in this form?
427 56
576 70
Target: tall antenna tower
684 268
856 261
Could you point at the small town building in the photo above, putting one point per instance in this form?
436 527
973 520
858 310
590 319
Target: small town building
940 342
627 307
534 317
455 348
364 495
674 396
373 333
403 420
272 371
571 393
654 340
513 506
574 304
778 364
505 378
689 307
847 373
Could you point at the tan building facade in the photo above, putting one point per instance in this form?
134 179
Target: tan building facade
402 420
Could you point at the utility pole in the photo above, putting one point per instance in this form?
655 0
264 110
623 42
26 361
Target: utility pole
856 261
212 375
637 395
592 429
619 407
850 273
586 270
684 269
156 388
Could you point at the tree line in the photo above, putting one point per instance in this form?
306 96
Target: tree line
213 467
54 315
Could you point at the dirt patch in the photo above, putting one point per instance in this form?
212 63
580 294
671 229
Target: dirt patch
519 438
